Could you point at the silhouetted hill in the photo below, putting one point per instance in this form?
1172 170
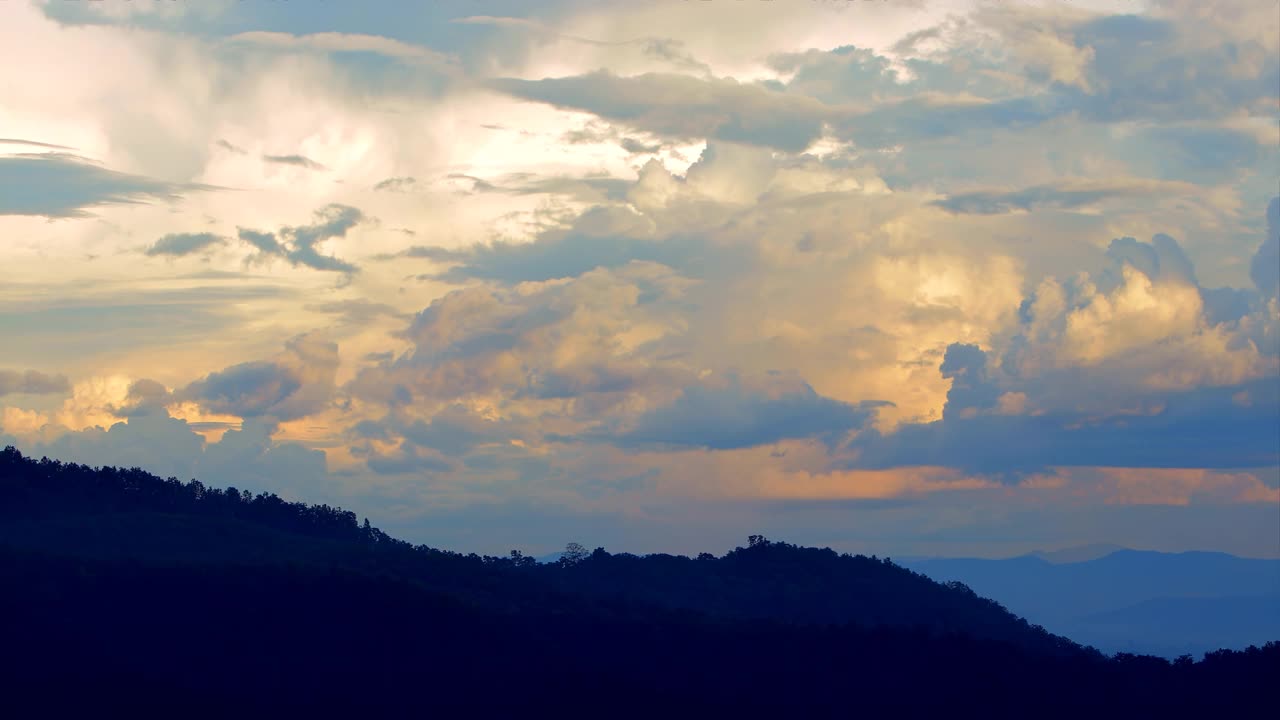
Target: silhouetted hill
130 594
112 514
800 585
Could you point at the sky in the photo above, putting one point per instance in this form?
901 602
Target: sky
903 277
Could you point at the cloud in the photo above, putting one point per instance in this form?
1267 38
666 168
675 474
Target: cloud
229 147
265 243
358 311
733 416
1198 428
396 184
248 389
559 255
1264 268
684 107
1131 366
245 458
1062 195
1139 73
840 75
1144 320
32 382
299 382
429 252
33 143
400 462
1173 486
334 221
119 321
454 432
180 244
336 42
18 422
927 222
560 357
396 444
145 396
966 367
295 160
58 185
298 244
638 147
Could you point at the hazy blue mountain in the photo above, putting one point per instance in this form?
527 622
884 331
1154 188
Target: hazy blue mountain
1080 553
1180 625
1130 600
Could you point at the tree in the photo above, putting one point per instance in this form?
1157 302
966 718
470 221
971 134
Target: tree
573 553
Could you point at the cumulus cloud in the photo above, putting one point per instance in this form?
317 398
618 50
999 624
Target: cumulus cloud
247 389
144 396
247 458
971 389
1106 371
905 273
297 383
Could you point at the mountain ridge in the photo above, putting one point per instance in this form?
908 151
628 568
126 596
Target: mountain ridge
140 594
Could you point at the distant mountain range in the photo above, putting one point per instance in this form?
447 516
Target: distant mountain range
1122 600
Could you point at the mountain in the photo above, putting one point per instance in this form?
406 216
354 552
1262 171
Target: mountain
127 515
1173 626
1116 601
1080 553
130 594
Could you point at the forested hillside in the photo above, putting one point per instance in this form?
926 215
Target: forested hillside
127 590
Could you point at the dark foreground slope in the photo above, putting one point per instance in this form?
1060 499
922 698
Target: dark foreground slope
124 592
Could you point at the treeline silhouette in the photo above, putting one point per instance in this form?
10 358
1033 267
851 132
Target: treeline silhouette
125 592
